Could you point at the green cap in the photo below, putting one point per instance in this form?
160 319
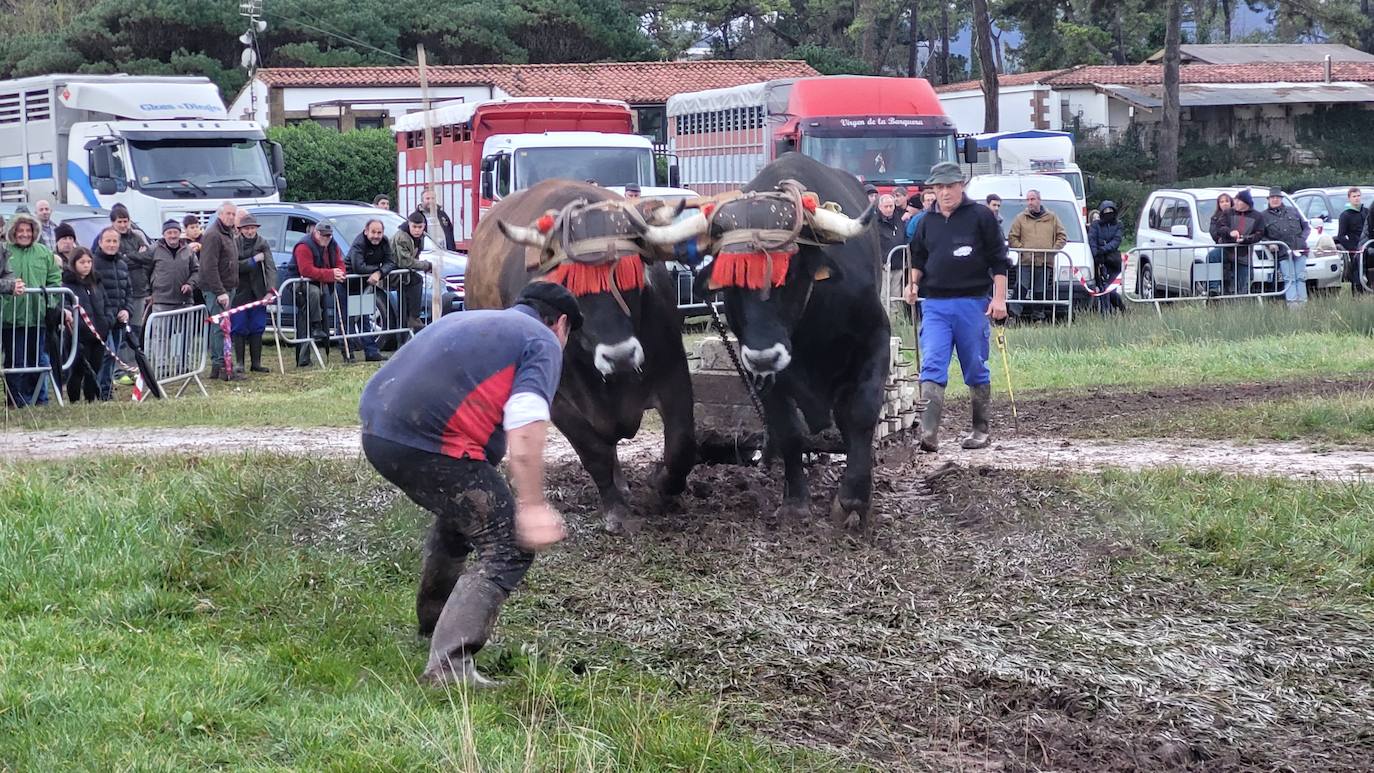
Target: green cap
945 172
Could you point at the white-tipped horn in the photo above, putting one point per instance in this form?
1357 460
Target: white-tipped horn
837 226
521 235
677 233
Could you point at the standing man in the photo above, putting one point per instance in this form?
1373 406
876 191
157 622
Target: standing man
406 245
1284 224
436 421
632 191
1036 234
175 272
441 230
382 201
66 243
994 203
219 278
871 191
47 229
1246 228
923 205
959 265
891 234
1349 227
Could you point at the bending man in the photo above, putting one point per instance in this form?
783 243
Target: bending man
436 421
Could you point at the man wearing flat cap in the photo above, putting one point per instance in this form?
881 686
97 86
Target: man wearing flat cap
959 266
1286 225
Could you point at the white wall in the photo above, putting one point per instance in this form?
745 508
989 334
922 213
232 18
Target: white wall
1013 109
243 107
1087 104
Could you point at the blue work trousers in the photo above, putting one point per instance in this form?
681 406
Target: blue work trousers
951 325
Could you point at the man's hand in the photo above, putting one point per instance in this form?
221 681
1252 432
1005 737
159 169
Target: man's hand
68 319
910 293
339 275
538 527
1235 234
997 308
223 300
186 289
122 316
374 278
195 246
18 287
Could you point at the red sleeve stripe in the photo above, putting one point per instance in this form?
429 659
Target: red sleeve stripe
478 416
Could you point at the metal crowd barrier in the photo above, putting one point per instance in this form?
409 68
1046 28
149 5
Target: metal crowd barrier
176 345
1204 272
349 311
23 348
1055 286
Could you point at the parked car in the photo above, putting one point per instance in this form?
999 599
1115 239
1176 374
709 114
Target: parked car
88 222
1322 206
1173 241
1057 196
284 225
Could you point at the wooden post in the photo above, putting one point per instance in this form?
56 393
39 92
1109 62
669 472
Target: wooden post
436 269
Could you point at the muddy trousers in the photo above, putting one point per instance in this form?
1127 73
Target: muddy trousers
474 514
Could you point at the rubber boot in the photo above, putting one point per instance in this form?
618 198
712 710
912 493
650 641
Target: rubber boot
255 353
981 399
934 396
464 626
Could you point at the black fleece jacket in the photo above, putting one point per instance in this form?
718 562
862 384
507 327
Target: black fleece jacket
958 255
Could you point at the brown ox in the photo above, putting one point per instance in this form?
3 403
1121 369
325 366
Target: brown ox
629 355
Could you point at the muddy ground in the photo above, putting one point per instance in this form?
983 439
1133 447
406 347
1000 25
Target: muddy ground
1109 411
997 622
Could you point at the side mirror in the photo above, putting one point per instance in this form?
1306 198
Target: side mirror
487 188
674 176
488 163
105 186
1180 230
278 161
970 150
1089 184
281 183
784 145
102 162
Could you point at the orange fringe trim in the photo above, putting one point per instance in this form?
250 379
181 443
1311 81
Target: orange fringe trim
748 269
588 279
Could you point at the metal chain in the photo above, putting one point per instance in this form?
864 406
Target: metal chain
724 334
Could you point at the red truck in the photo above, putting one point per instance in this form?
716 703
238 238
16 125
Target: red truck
887 131
484 151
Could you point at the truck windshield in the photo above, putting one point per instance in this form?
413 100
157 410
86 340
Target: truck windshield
1072 178
213 167
882 158
605 166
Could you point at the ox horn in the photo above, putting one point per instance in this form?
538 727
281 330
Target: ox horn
529 237
837 226
676 233
664 213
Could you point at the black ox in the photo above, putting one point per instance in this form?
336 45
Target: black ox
629 354
814 335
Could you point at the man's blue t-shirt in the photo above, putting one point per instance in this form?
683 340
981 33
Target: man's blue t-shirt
445 392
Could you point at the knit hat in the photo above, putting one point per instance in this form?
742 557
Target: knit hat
62 230
1245 197
171 225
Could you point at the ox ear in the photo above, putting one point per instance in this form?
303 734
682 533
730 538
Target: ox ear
828 269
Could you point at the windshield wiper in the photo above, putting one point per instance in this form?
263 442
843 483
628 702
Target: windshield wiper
203 192
259 188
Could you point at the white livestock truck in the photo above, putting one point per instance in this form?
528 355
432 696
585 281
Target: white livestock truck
162 146
1034 152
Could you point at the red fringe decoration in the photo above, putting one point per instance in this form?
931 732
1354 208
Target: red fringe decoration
749 269
588 279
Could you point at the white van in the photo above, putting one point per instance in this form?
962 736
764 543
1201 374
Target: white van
1059 197
1173 220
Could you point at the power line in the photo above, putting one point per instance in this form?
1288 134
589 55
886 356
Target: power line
337 35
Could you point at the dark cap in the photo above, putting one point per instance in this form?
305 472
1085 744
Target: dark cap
324 227
417 217
248 220
914 201
870 188
171 225
1245 197
1275 192
62 230
554 296
944 173
632 188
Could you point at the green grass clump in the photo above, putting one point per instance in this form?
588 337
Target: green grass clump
1340 418
1283 532
258 612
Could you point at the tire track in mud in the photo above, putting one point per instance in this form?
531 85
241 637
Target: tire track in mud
1288 460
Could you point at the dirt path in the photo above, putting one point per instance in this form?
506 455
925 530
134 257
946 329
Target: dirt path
1293 460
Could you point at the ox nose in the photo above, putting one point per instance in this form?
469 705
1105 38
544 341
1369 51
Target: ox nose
624 357
761 362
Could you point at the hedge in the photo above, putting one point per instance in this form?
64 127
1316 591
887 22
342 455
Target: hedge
323 164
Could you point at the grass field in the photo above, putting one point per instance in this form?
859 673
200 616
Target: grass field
256 612
1343 418
1189 345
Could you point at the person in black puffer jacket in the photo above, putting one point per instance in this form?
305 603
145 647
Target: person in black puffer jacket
114 279
370 256
82 279
1104 239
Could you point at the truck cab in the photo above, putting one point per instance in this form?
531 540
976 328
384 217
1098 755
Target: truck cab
516 162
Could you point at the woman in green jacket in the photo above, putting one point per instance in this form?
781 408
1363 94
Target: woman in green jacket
23 317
